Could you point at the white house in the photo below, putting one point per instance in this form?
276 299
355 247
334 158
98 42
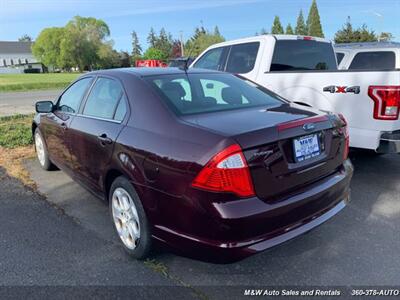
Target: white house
15 57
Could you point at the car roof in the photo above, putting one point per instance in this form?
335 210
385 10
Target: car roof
367 45
143 71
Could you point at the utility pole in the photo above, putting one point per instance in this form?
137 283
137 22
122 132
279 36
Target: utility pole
181 38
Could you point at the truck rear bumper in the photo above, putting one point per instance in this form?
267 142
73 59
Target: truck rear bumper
389 142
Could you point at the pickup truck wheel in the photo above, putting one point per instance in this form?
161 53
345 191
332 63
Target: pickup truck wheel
129 218
41 151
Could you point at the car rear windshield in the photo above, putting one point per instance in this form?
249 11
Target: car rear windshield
293 55
201 93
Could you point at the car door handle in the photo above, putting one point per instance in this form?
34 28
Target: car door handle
104 139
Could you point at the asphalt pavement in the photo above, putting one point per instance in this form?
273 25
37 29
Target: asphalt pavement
23 102
359 246
40 245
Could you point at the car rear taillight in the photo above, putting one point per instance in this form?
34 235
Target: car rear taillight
345 129
387 101
227 171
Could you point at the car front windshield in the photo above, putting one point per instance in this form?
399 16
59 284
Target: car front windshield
195 93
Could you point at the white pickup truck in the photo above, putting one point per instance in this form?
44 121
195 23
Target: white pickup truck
368 56
304 70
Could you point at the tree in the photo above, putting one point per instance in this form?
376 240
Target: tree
84 37
277 26
152 37
154 53
136 48
25 38
216 31
363 34
80 43
124 59
348 35
47 47
176 49
301 28
314 27
198 31
164 42
201 40
385 37
107 57
263 31
289 29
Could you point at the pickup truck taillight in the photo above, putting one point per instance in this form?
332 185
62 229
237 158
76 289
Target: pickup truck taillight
387 101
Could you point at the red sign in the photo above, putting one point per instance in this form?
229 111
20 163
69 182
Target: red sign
151 63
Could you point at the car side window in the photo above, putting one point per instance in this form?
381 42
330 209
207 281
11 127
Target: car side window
376 60
71 99
103 98
121 109
242 58
211 60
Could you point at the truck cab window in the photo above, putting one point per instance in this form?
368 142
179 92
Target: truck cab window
242 58
377 60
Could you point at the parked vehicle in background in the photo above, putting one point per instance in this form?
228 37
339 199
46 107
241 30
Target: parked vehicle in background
209 164
180 62
304 70
368 56
150 63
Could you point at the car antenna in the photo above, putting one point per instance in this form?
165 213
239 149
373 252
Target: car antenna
186 64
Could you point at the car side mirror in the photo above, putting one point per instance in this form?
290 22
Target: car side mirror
44 106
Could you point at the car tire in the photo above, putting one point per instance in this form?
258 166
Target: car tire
41 151
129 218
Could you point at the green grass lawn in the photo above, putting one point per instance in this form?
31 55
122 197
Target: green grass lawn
15 131
27 82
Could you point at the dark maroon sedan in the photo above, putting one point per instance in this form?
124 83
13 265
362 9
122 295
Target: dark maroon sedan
204 162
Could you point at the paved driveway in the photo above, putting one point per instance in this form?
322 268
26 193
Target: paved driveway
359 246
23 102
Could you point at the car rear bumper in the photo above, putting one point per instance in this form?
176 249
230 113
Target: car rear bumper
247 226
389 142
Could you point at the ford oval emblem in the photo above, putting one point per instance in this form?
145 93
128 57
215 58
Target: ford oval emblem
309 126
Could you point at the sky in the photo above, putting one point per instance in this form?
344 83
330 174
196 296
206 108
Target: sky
235 18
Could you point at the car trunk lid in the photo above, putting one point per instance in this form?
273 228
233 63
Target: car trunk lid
267 138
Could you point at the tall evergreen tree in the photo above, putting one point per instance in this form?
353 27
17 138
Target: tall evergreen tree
346 34
216 31
164 42
198 31
152 37
289 29
301 28
277 26
314 27
136 48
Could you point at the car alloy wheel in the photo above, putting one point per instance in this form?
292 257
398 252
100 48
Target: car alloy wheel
126 218
40 152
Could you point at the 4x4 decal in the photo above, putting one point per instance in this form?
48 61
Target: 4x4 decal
342 89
